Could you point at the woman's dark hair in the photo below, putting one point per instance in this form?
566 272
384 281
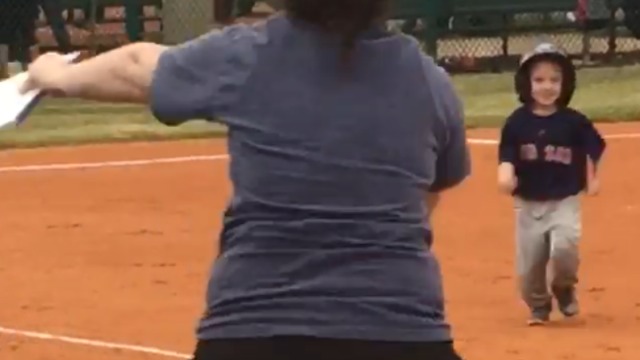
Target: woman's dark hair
346 18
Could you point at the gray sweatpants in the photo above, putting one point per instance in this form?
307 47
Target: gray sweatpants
547 233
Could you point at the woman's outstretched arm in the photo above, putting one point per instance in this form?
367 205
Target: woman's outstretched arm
120 75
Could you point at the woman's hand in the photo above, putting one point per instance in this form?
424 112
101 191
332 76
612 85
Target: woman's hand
46 73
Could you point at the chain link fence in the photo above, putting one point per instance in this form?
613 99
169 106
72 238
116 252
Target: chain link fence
600 43
28 26
595 32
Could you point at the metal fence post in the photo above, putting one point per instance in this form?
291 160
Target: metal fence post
431 36
133 25
4 61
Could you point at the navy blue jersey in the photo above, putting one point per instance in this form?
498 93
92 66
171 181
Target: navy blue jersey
549 153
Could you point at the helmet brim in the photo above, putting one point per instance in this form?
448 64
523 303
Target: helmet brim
555 57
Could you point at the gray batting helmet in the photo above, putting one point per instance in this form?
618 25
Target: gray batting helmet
545 52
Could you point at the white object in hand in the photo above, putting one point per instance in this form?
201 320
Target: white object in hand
14 105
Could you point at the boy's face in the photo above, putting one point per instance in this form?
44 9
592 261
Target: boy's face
546 83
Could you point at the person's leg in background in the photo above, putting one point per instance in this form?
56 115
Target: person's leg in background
20 51
53 10
25 44
6 34
23 31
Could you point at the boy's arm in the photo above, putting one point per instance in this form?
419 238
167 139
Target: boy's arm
593 142
593 182
507 156
594 145
507 180
592 168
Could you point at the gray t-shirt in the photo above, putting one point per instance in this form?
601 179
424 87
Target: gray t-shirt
327 232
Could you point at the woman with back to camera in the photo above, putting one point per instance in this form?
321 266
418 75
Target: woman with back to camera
337 131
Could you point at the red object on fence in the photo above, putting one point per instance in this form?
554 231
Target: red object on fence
581 11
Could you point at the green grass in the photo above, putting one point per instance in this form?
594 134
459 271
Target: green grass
605 94
72 122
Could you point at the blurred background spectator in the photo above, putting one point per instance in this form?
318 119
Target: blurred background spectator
18 30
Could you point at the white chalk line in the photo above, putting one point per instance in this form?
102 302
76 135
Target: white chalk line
106 164
200 158
482 141
93 343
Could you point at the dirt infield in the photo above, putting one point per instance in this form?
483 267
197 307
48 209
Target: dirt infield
121 253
